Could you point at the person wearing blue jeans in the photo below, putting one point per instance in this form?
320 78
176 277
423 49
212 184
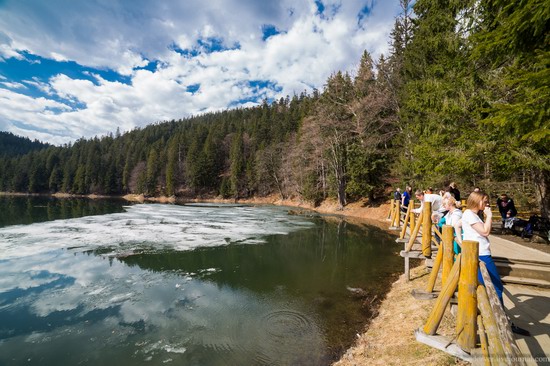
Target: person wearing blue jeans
476 230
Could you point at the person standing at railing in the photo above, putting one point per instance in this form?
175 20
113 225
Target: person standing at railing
476 230
434 199
406 198
453 188
454 218
397 194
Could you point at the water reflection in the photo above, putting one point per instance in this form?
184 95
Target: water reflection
269 289
17 210
133 317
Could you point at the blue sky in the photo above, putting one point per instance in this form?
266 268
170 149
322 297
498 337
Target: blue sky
72 69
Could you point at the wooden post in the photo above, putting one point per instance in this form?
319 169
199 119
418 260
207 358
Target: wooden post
413 215
407 269
427 229
443 299
447 249
483 341
467 305
489 323
407 218
437 232
504 328
390 215
435 271
463 205
397 217
414 234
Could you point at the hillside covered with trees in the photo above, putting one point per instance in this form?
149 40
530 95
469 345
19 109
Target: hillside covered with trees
12 145
463 95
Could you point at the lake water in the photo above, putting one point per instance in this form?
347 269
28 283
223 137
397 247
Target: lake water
86 282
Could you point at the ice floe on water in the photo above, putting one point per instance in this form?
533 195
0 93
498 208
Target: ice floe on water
151 227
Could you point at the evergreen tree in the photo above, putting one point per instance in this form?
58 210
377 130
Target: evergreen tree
56 179
434 101
512 55
152 172
236 164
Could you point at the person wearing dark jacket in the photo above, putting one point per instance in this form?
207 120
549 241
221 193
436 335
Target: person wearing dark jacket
405 198
506 207
454 191
397 194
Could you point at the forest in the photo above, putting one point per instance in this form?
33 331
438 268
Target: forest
463 95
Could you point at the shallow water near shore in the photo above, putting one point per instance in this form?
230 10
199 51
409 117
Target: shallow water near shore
193 284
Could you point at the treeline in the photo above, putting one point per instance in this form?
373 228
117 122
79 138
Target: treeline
463 95
12 145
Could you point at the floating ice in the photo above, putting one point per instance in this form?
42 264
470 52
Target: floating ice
150 227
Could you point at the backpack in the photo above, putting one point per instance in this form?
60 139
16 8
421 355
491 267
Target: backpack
527 230
536 223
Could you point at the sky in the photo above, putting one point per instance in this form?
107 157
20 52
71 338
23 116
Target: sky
73 69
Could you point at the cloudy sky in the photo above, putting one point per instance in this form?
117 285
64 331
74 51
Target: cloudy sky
81 68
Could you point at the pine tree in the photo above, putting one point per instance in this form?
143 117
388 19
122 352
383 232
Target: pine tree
512 53
152 172
236 164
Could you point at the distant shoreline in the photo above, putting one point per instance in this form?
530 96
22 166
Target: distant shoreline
360 210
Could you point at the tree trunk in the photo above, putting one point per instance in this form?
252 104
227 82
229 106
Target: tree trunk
541 179
341 192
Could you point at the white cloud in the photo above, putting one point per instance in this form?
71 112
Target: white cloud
13 85
122 36
43 87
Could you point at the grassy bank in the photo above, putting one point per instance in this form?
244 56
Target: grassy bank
389 339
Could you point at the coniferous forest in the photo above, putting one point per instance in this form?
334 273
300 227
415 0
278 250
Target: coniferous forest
463 95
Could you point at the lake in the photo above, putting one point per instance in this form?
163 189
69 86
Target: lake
102 282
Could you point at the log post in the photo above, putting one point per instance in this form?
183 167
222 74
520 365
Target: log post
447 249
463 205
407 219
397 216
414 234
436 232
390 215
483 341
467 305
435 271
413 215
427 229
504 328
443 299
407 269
490 324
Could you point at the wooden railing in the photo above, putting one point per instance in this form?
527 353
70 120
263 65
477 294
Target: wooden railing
478 308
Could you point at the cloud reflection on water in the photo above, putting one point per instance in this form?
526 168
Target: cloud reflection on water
96 307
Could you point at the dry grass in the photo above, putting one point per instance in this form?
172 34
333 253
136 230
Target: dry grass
390 338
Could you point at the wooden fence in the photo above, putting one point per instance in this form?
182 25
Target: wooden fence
483 333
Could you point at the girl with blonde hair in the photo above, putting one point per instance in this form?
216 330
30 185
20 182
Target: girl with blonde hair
453 218
477 230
